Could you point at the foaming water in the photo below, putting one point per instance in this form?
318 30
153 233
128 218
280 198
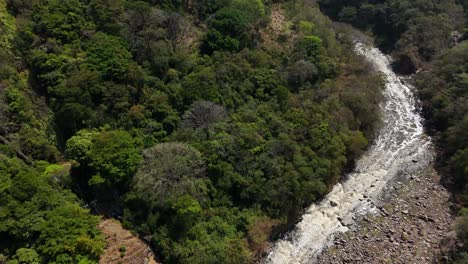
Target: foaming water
400 140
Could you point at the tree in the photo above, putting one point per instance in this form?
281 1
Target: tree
145 30
105 157
213 243
227 28
69 234
108 55
169 171
60 19
230 21
106 14
214 40
186 211
203 114
34 142
201 85
302 71
311 46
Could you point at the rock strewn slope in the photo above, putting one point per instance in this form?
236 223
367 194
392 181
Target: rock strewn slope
414 225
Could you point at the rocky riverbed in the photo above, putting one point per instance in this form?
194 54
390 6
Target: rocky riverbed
414 223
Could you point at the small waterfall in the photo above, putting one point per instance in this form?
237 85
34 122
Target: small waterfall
400 140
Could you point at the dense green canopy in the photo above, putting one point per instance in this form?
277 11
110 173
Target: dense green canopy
208 125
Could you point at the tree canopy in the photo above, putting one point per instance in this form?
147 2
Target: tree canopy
205 125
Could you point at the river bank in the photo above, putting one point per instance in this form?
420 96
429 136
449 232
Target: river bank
400 144
414 224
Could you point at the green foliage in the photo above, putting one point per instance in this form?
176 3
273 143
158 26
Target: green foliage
265 132
122 248
444 94
27 123
27 256
59 174
19 106
60 19
106 13
231 25
212 242
302 72
348 14
253 9
204 8
111 156
311 46
39 215
305 27
187 210
108 55
63 244
34 141
461 259
212 239
214 40
7 27
228 26
201 84
230 21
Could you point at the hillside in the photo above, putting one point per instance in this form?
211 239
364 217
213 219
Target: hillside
204 126
429 40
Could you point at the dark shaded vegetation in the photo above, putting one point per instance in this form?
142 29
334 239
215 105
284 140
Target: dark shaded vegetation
414 30
176 114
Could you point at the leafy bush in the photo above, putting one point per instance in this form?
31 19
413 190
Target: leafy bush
111 156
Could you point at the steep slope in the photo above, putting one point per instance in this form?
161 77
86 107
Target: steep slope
206 125
122 246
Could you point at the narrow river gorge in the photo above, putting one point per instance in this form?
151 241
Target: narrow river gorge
400 142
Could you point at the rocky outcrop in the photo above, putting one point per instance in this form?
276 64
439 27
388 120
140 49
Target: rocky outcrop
414 225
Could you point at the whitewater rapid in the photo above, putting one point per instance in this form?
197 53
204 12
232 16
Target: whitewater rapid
400 141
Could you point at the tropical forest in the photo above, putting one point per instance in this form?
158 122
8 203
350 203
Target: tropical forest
233 131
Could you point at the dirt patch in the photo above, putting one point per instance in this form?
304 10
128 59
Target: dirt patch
278 34
414 225
124 247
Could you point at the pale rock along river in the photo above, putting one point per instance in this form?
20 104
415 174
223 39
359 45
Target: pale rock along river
400 141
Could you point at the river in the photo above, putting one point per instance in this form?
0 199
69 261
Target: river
400 141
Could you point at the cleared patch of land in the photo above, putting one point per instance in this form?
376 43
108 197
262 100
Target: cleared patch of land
123 247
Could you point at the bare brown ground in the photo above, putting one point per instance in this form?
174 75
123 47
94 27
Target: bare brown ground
277 35
136 251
